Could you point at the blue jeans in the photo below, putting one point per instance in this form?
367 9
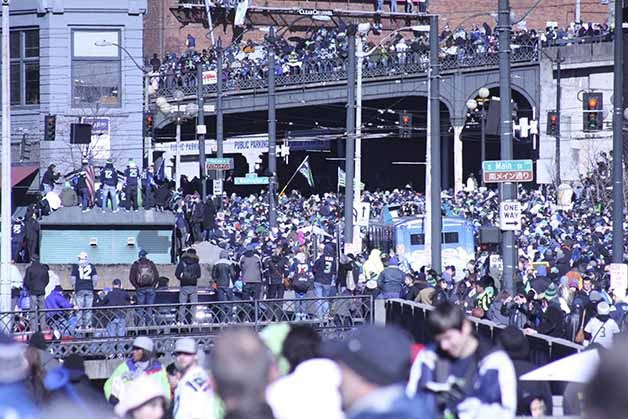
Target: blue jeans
116 328
47 188
301 313
84 300
83 194
323 291
109 190
145 296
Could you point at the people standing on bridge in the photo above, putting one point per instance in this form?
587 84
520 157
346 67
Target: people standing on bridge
193 398
188 272
251 274
276 269
32 229
142 362
325 270
36 279
144 276
301 281
109 181
148 187
132 177
117 297
84 276
463 375
82 188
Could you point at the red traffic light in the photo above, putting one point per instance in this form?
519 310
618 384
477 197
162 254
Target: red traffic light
554 118
405 119
592 102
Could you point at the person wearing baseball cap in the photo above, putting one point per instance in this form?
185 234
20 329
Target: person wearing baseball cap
193 397
141 363
601 329
373 379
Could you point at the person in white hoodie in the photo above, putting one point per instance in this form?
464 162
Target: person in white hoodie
193 397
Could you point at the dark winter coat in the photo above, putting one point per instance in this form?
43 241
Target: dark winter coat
135 270
189 260
36 278
223 272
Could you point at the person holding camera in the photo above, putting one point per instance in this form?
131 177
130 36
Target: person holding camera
462 375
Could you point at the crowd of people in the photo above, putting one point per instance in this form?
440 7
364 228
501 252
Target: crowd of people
322 50
292 372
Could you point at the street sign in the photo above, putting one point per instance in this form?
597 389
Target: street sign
252 179
222 163
499 171
510 215
362 214
209 77
619 279
217 187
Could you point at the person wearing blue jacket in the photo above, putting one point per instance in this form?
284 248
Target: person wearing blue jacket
463 376
325 270
109 180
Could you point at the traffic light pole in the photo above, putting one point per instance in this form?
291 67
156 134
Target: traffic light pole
559 60
272 132
350 138
618 171
435 159
508 190
200 121
5 224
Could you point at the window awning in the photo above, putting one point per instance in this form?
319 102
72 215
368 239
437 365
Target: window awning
19 172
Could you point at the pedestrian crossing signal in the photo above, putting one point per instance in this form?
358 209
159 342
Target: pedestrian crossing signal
50 127
405 125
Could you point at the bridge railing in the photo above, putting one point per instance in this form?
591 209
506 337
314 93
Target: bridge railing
244 75
91 331
412 317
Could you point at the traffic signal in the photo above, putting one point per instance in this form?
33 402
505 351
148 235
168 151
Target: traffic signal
592 111
149 120
405 125
552 123
50 127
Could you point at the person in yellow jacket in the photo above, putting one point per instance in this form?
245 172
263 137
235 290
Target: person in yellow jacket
141 363
373 265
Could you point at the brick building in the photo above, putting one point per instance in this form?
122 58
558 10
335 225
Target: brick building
163 33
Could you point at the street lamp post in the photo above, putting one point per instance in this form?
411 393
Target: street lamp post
477 107
5 251
178 113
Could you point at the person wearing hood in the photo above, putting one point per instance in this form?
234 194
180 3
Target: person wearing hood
132 176
188 272
60 318
36 278
251 270
84 277
276 270
68 196
601 329
109 181
141 363
391 281
325 271
373 265
224 275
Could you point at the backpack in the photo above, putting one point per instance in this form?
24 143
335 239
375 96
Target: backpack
145 276
188 273
300 282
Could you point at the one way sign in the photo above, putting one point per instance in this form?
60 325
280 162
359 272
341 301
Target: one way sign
510 215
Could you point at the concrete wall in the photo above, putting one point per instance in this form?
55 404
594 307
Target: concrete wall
55 21
586 68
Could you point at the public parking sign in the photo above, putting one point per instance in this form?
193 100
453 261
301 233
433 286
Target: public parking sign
501 171
213 163
510 215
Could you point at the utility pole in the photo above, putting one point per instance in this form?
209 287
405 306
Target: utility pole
148 141
272 131
618 172
219 115
201 129
435 160
508 190
350 140
5 252
559 60
357 182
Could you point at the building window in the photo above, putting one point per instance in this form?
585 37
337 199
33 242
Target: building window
96 68
24 49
